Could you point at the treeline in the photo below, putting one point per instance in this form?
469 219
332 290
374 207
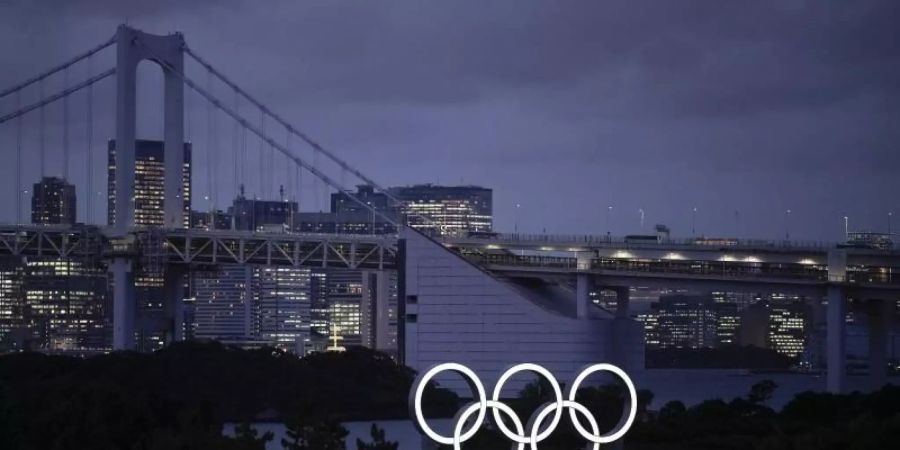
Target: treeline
811 421
178 398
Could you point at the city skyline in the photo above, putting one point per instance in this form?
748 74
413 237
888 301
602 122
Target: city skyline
776 145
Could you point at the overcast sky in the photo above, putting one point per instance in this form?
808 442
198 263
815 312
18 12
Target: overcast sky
742 110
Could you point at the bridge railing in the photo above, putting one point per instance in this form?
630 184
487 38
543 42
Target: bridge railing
574 240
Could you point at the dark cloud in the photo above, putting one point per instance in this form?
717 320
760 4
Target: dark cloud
752 107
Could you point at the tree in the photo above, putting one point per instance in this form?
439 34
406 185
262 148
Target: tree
247 435
378 441
315 435
761 392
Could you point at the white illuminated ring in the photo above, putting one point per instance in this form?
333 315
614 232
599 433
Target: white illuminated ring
497 406
538 417
416 402
558 404
632 410
535 435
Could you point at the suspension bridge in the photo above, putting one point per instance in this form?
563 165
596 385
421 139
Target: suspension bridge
126 246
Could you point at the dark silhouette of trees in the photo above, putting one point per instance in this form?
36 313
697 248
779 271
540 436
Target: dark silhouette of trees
181 396
378 441
314 434
726 357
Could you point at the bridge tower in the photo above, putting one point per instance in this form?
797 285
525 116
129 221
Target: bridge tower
134 46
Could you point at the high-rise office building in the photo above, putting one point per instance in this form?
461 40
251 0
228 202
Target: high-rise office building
284 308
686 321
378 311
347 216
345 298
211 220
252 306
12 304
225 306
149 184
53 202
65 305
320 324
343 202
788 324
451 209
263 215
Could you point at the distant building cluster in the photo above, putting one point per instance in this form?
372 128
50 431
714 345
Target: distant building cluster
688 321
58 305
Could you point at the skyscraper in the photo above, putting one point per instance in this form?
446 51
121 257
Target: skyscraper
284 309
12 304
252 306
53 202
225 305
149 184
262 215
451 209
65 305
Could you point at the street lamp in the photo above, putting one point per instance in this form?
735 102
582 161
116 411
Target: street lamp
609 220
694 221
516 226
846 228
787 225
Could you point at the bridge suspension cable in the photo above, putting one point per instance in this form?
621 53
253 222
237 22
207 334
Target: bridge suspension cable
303 136
64 93
56 69
265 138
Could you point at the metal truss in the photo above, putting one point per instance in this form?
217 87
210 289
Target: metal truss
50 241
296 250
197 247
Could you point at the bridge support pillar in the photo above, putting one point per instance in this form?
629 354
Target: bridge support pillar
173 287
582 295
836 339
582 285
880 315
623 302
123 304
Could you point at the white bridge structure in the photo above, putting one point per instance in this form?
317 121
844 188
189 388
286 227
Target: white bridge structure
487 301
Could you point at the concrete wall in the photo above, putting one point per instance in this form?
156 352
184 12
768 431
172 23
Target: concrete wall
455 312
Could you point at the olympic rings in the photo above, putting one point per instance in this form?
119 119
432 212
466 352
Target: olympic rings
535 435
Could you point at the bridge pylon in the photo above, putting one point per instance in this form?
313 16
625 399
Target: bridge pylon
134 46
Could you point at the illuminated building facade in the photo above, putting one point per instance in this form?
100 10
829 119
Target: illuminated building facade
318 303
53 202
252 306
452 209
65 305
225 308
12 306
149 184
284 306
686 321
345 296
788 325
